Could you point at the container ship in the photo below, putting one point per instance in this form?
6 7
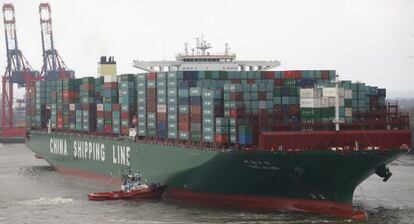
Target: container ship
221 132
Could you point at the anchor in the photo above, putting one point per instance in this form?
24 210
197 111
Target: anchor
383 172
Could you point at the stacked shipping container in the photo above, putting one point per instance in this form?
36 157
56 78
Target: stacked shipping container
211 107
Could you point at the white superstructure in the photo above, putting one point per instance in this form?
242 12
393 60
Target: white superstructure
199 59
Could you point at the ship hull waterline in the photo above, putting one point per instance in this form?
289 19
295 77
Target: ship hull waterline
317 182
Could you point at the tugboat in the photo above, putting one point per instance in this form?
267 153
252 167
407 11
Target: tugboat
132 188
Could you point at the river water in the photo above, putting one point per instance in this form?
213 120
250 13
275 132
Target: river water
32 192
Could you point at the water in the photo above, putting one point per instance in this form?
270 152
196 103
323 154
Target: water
32 192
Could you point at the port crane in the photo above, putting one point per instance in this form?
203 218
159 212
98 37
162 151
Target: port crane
53 65
18 71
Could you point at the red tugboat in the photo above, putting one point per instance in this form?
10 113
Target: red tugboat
132 188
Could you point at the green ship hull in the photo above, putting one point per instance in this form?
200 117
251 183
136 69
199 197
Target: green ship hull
320 182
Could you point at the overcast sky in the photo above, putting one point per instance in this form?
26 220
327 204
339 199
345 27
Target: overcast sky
370 41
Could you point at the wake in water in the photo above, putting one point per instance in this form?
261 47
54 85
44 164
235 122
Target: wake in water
47 201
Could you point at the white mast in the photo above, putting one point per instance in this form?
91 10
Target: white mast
336 121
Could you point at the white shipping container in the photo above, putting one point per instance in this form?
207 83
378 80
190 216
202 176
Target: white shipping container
331 92
141 92
160 91
72 106
332 101
172 92
310 93
348 94
342 93
132 132
262 104
141 86
161 108
328 92
348 112
195 91
110 78
99 107
172 134
309 103
324 102
183 134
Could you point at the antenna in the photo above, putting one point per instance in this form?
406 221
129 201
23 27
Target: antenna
197 43
202 45
226 49
186 48
163 51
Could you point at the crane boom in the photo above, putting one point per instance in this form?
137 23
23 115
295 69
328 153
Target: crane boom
53 65
18 70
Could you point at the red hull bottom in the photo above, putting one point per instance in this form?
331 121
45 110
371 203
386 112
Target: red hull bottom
91 176
335 209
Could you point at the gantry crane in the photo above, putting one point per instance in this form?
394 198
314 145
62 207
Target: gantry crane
53 65
18 70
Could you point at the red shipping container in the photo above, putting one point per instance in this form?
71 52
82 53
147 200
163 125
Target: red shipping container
162 117
195 117
235 113
125 130
183 126
151 107
222 138
85 106
289 74
298 74
108 128
251 81
152 76
100 114
125 115
151 92
116 107
278 82
236 96
325 75
267 75
67 94
108 114
88 86
236 81
195 109
110 85
183 118
294 109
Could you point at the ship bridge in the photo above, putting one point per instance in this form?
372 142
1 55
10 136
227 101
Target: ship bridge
201 60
